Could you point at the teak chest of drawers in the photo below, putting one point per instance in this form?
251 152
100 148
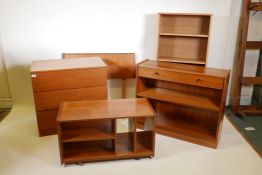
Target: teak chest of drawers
189 100
55 81
92 131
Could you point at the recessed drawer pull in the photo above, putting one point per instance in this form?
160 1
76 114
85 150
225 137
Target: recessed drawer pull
156 73
198 80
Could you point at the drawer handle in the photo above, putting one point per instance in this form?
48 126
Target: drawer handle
198 80
156 73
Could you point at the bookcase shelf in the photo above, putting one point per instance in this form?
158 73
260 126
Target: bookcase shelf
99 137
183 38
183 34
183 60
177 97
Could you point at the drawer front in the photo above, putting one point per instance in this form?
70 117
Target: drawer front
197 80
46 121
68 79
52 99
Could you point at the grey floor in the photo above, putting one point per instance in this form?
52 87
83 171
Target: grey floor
3 113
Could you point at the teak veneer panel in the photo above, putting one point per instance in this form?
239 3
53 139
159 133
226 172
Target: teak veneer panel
60 64
120 65
106 109
68 79
185 78
187 74
52 99
46 121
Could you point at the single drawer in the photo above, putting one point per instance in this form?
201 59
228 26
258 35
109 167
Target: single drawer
68 79
178 77
52 99
46 121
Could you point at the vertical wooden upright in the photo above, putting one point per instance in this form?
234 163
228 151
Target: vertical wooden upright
244 45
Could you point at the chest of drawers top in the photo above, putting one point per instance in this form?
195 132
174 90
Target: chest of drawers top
66 64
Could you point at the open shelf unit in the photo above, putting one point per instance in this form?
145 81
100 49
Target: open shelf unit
189 101
183 38
105 138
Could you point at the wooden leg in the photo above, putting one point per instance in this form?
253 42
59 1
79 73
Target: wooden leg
123 88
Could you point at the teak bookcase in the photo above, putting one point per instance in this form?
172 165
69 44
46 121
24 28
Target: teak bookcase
189 100
58 80
91 130
183 38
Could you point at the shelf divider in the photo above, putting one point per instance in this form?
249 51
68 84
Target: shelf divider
183 34
182 60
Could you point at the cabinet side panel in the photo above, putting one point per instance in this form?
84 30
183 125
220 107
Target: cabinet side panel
46 121
222 107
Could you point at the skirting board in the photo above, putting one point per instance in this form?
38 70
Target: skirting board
5 102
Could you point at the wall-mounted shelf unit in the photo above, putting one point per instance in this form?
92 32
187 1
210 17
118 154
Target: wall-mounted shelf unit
189 100
96 130
183 38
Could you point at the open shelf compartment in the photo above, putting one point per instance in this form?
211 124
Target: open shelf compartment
125 136
87 130
183 38
88 150
194 124
185 23
145 135
180 48
180 94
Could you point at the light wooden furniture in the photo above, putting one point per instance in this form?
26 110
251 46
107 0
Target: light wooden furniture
90 131
60 80
183 38
120 65
189 100
239 80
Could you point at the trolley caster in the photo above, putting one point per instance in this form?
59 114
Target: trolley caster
64 165
80 163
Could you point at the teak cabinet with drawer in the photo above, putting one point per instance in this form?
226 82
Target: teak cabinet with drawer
189 100
55 81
